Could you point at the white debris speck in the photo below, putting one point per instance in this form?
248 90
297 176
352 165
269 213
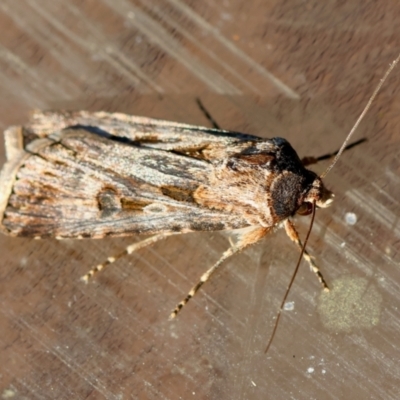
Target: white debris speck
310 370
289 306
253 383
350 218
23 262
8 394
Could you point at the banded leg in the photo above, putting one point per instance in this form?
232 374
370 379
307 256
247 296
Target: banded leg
128 250
294 236
313 160
245 239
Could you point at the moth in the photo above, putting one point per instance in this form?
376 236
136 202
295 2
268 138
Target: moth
96 174
92 175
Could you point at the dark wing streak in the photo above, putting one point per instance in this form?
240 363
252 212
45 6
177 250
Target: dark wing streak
147 131
77 184
152 166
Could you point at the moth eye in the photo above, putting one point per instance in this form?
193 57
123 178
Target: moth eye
305 209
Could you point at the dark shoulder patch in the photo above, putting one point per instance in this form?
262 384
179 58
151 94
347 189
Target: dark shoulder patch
286 156
285 192
288 190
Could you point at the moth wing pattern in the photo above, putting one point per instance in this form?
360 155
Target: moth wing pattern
160 134
64 179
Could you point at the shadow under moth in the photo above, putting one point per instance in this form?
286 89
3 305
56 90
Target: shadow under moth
96 174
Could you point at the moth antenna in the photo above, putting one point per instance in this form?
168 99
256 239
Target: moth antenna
292 280
362 115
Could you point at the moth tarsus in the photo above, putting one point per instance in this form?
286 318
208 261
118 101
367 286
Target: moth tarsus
246 239
291 232
294 236
96 174
207 114
127 251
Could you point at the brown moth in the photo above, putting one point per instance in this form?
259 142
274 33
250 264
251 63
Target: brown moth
96 174
92 175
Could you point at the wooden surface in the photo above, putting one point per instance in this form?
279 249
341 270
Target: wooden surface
302 70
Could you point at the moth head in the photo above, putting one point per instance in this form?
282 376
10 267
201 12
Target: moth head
317 193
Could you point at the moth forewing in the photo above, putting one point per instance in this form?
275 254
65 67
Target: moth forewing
79 182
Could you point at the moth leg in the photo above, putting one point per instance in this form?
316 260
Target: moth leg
245 239
207 114
128 250
313 160
294 236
